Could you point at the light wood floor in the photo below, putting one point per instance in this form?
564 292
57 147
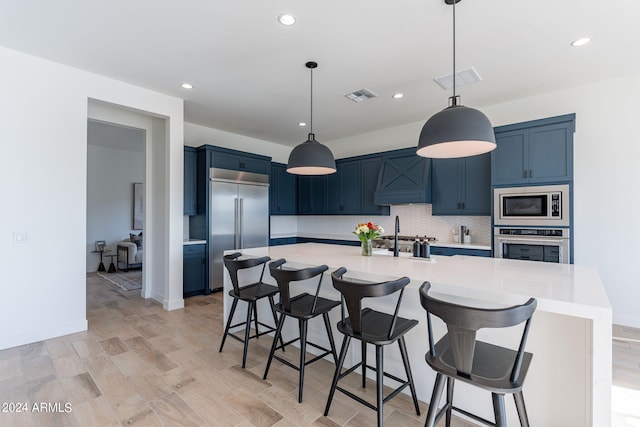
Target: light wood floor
140 365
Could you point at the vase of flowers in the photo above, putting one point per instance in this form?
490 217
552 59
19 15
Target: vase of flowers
367 231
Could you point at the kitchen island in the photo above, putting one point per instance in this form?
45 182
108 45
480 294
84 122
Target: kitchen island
569 382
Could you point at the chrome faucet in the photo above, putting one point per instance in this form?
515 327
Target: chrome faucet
395 237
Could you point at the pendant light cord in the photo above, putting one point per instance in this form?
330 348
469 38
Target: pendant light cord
454 52
311 121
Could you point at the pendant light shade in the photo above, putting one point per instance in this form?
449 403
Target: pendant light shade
456 131
311 157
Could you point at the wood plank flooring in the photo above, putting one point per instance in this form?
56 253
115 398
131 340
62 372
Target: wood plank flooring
140 365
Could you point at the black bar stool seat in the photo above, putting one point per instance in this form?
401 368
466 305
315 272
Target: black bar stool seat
303 307
251 294
376 326
372 327
458 355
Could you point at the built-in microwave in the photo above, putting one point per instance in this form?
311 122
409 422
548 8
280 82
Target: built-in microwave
540 206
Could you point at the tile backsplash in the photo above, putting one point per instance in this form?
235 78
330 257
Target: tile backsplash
414 220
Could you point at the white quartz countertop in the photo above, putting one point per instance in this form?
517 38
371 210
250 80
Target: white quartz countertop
574 290
194 242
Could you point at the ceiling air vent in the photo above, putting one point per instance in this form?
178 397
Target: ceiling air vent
463 77
360 95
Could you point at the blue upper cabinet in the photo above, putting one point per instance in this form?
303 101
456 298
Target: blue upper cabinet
540 151
404 178
225 158
190 181
349 177
461 186
283 189
312 195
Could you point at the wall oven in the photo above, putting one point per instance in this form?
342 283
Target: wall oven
533 244
539 206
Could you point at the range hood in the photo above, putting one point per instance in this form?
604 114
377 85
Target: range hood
404 178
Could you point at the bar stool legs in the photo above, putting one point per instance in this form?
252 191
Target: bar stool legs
522 410
336 376
251 310
407 367
498 409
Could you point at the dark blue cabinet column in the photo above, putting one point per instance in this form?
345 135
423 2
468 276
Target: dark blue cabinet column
282 191
350 188
190 181
194 272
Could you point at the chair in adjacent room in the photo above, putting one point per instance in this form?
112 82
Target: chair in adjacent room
458 355
251 294
302 307
376 328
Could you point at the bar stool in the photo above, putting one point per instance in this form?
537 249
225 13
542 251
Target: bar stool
250 293
302 307
459 356
372 327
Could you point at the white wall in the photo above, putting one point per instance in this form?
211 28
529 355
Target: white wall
111 173
43 184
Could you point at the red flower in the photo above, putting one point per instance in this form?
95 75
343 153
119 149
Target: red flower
371 226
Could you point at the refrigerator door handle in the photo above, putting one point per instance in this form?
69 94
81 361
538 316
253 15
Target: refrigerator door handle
235 224
240 218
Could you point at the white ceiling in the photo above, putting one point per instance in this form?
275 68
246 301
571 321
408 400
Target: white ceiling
248 70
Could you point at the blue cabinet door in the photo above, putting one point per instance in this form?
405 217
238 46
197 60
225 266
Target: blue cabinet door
509 161
239 161
193 273
282 191
550 153
350 191
190 181
461 186
370 169
225 161
476 184
445 183
312 195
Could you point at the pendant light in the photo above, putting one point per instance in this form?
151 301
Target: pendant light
311 157
456 131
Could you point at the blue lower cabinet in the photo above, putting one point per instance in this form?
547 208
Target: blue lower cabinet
446 251
193 270
327 241
283 241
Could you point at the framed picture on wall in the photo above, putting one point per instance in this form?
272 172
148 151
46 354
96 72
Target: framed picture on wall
138 205
100 244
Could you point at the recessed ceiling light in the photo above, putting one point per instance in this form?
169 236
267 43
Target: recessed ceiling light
581 41
301 124
186 86
286 19
398 95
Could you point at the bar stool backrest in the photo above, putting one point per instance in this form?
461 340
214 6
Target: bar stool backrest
463 322
284 277
233 265
353 293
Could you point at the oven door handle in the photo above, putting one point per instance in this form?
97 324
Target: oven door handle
530 240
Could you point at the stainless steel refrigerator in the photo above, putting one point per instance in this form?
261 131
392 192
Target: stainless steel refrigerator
239 216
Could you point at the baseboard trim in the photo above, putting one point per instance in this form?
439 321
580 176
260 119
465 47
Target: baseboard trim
173 304
49 332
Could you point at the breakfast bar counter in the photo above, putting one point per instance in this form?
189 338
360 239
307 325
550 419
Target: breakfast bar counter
569 381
